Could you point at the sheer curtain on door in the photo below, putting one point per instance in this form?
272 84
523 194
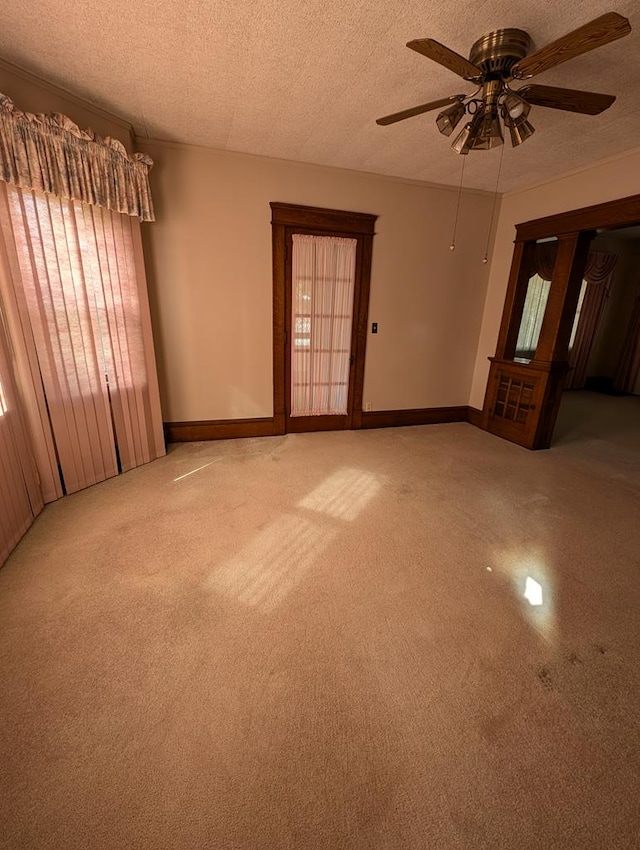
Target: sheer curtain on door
323 279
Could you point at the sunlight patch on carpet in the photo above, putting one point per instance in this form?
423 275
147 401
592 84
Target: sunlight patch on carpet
344 494
273 563
193 471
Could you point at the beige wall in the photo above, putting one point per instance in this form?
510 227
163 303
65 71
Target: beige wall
209 268
209 262
614 178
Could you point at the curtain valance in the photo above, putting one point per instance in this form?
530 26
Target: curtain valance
49 153
599 266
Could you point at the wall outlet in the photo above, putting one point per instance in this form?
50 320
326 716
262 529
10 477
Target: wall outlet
367 406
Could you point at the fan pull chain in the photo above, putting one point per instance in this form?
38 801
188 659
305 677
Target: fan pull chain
493 208
452 247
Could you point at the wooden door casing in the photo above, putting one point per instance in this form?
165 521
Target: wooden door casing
522 399
288 219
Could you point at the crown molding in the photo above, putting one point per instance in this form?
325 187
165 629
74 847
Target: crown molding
141 141
581 169
47 86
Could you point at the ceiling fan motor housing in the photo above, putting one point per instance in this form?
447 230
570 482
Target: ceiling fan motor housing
498 51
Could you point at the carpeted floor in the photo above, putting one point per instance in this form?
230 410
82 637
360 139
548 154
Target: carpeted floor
406 638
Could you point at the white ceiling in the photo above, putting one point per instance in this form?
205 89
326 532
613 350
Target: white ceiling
306 80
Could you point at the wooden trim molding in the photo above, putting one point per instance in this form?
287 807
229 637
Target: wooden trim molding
475 417
233 429
416 416
297 215
622 212
279 299
362 327
219 429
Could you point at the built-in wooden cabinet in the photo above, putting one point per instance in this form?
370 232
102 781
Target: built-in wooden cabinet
523 394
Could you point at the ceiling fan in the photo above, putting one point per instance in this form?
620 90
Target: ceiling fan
495 61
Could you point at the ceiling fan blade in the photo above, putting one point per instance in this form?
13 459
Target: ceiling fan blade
444 56
600 31
571 100
418 110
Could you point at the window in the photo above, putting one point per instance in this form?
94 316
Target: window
578 312
77 276
532 316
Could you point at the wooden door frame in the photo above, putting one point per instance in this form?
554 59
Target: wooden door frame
543 379
290 218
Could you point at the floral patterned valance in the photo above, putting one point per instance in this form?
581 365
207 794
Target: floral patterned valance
49 153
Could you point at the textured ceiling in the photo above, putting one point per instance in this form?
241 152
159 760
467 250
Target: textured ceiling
306 80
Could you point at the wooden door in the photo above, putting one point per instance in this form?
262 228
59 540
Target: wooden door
322 302
296 330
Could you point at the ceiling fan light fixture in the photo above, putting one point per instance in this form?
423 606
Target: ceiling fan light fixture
520 129
516 105
489 134
449 118
463 142
495 61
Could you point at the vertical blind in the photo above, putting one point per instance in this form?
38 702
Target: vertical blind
81 319
20 498
323 281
